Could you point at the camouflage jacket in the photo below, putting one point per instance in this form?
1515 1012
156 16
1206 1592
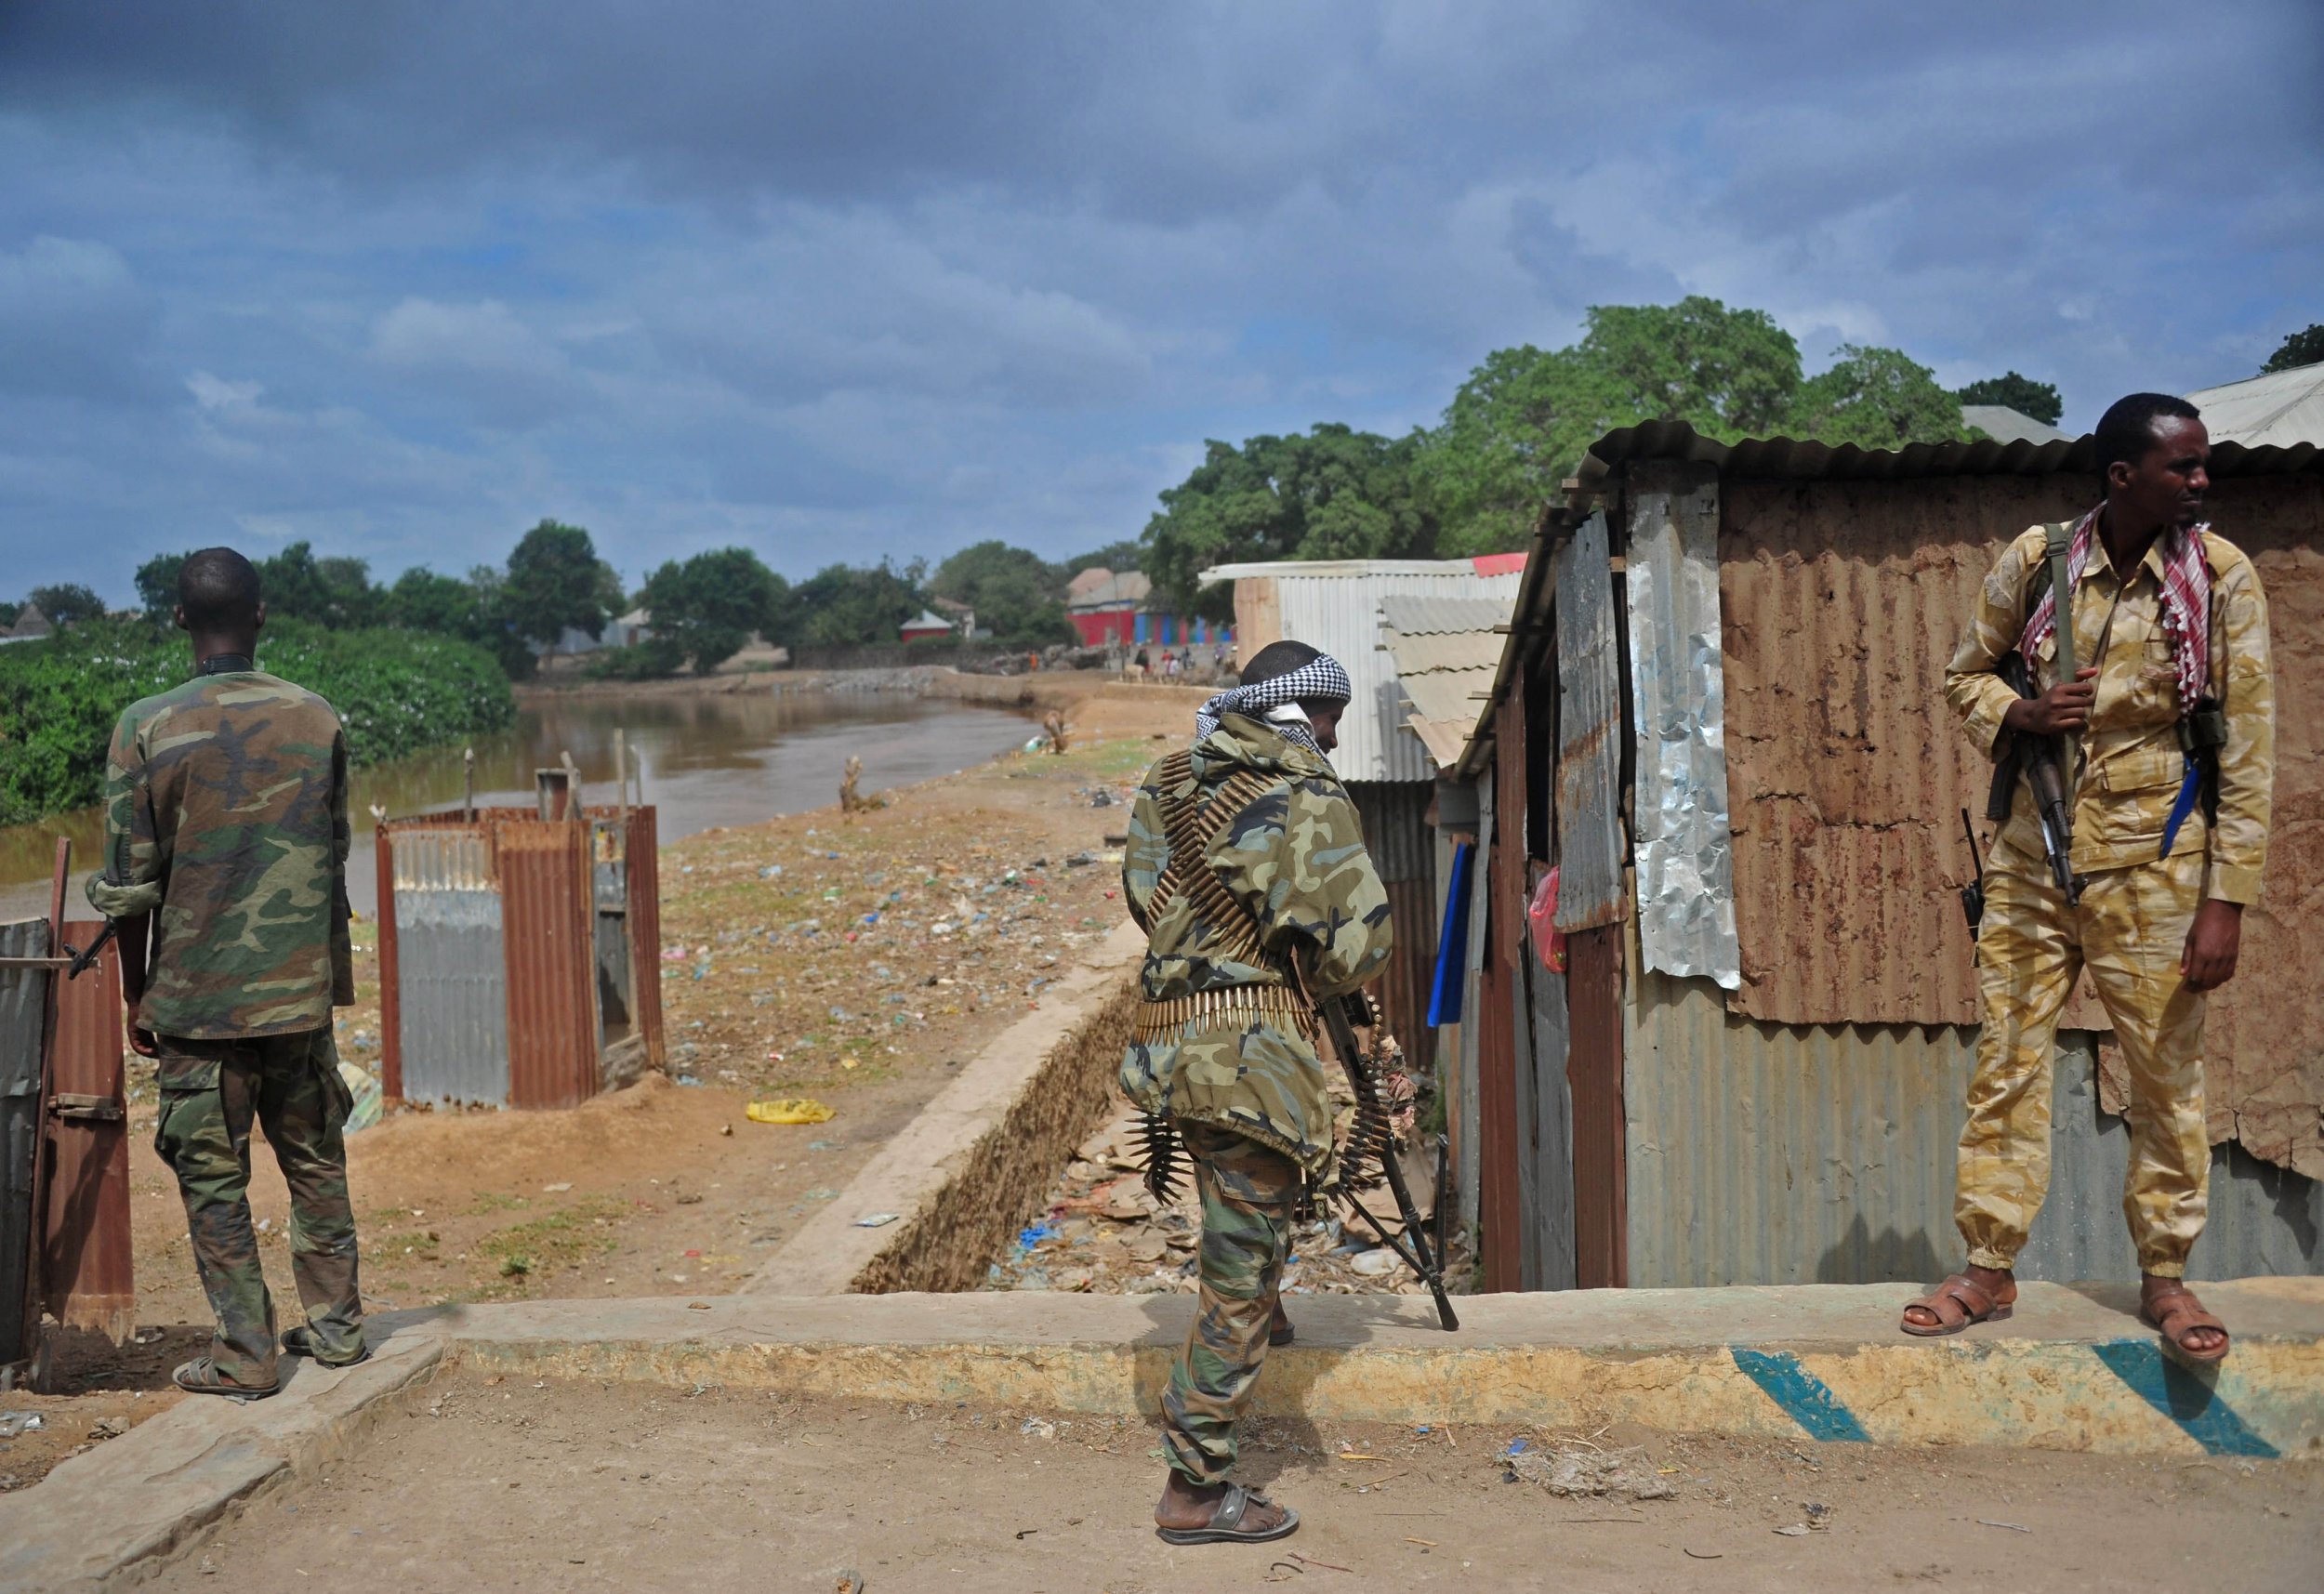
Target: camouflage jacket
2131 766
225 819
1295 857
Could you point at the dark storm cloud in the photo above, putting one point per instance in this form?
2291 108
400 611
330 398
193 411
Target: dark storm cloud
886 278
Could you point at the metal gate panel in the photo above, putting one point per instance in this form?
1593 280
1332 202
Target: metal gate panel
87 1270
547 894
645 934
23 1022
452 1001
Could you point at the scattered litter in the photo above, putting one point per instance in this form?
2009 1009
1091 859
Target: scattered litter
1797 1530
1518 1447
877 1219
1702 1554
107 1427
364 1086
2013 1527
697 1306
1033 1234
558 1189
1037 1427
1378 1262
1571 1472
848 1581
799 1110
15 1422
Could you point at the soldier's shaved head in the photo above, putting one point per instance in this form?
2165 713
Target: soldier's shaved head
1278 659
218 592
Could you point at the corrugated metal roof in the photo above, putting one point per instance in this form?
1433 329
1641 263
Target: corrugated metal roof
1449 698
1430 653
1335 605
2284 408
1421 614
1794 460
2005 424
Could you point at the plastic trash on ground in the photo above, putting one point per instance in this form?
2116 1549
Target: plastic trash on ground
797 1110
369 1102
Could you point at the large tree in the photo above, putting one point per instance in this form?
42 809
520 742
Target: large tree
1016 592
1334 493
1877 398
337 592
1521 423
555 581
704 610
1127 554
2027 397
157 586
2303 348
843 604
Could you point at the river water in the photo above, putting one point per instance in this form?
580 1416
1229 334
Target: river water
710 758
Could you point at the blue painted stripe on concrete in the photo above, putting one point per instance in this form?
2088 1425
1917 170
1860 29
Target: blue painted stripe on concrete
1806 1398
2181 1396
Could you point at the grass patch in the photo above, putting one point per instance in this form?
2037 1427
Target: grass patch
560 1239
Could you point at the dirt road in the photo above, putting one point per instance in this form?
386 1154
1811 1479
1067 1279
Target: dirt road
778 986
522 1487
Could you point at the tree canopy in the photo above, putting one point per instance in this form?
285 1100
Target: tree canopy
555 580
2303 348
1521 423
2027 397
1334 493
1127 554
704 610
1016 592
843 604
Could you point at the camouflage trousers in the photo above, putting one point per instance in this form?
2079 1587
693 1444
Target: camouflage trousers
211 1091
2129 931
1249 1193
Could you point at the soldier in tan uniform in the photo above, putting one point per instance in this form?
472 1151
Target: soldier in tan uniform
2170 739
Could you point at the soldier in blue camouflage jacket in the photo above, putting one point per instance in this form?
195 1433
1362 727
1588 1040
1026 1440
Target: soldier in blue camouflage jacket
1224 1046
226 844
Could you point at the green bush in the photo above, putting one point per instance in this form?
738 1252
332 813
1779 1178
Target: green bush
397 692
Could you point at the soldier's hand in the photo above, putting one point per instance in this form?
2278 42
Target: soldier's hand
2065 706
2212 943
142 1041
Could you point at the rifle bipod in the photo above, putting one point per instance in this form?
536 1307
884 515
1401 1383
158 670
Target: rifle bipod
1413 1249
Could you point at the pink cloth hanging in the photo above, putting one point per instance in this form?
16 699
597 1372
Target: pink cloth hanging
1548 943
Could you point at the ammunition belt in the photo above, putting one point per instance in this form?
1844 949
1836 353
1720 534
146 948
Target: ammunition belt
1159 1021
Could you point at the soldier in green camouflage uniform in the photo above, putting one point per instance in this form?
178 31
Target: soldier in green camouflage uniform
226 842
1224 1044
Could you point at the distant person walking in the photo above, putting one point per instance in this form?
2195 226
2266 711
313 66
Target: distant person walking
2167 734
226 843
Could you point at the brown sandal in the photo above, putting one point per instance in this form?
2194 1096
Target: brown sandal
1969 1302
2174 1312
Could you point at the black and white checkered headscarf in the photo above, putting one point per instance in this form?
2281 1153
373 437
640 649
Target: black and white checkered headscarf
1321 676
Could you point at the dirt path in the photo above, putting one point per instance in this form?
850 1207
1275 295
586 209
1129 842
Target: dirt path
521 1487
779 987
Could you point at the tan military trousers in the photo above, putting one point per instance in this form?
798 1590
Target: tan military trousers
2129 931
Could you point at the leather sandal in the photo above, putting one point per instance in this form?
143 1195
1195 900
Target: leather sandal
1226 1524
200 1376
2174 1312
1958 1302
1279 1329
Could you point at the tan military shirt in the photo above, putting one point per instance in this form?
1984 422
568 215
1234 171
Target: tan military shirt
2128 765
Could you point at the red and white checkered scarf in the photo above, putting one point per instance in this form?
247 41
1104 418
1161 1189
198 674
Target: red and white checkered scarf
2186 604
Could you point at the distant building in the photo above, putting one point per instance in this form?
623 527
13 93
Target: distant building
31 626
2004 425
2284 408
1117 608
930 627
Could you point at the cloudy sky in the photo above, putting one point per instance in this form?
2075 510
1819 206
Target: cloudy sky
842 280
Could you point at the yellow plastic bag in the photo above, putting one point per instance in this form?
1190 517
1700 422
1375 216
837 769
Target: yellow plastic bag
798 1110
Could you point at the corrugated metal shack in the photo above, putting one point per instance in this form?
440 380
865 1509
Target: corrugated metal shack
1719 715
1336 605
519 954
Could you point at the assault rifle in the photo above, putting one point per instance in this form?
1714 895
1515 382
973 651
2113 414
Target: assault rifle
2043 761
1374 1140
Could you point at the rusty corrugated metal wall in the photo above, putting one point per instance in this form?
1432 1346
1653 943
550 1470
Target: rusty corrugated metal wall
1776 1154
87 1273
645 933
23 1026
1847 772
1591 851
1501 1208
1403 847
549 914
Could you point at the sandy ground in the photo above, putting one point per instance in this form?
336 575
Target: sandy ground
522 1486
668 1188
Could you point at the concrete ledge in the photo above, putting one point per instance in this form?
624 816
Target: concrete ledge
107 1513
963 1171
2073 1370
